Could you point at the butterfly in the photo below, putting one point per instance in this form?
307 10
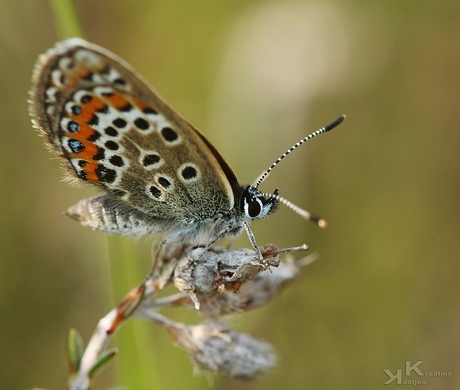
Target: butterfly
159 174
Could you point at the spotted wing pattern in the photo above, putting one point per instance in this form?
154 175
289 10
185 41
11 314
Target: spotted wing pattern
115 131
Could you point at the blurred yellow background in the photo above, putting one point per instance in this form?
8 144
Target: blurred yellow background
256 76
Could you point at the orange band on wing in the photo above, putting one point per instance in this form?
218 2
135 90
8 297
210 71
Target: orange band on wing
118 101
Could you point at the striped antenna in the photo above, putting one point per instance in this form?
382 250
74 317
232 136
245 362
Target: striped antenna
322 223
324 129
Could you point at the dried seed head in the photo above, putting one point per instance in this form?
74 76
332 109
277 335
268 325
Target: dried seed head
213 346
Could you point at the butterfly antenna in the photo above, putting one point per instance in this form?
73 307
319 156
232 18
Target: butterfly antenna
324 129
322 223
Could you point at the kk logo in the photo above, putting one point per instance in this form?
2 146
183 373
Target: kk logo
398 376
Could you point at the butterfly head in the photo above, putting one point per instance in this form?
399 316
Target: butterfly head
257 205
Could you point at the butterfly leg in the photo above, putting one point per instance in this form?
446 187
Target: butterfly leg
157 256
221 235
252 239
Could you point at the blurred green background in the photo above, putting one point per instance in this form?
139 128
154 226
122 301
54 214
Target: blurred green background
256 76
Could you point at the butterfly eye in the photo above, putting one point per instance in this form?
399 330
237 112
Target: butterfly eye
254 208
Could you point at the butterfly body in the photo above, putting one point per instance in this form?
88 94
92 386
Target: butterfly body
159 174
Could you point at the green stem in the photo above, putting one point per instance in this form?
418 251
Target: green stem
66 19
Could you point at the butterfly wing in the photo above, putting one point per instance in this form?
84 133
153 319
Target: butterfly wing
115 131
